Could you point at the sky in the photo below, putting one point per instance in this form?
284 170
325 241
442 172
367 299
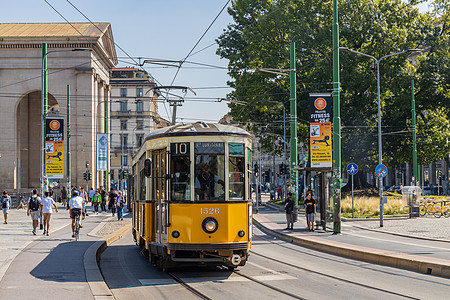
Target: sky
157 29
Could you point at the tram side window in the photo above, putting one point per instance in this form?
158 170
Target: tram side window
209 171
180 172
236 171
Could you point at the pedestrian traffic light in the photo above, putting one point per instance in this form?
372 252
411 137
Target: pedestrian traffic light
281 169
85 176
87 165
88 175
256 168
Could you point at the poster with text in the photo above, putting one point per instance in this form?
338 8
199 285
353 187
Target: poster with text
54 147
320 131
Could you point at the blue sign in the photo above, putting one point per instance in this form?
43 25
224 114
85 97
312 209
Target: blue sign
352 169
381 170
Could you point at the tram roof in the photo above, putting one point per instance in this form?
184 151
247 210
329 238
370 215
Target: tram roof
199 128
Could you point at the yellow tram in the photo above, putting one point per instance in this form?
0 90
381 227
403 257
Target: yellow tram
191 195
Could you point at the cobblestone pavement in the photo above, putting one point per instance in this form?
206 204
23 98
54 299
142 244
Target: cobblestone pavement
428 227
113 225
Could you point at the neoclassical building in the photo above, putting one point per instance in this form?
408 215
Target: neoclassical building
87 74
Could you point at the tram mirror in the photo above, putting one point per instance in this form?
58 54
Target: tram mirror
148 167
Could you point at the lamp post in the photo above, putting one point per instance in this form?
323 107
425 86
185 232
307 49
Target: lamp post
44 106
380 153
284 138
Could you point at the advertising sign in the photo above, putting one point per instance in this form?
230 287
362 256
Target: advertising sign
54 147
320 131
102 152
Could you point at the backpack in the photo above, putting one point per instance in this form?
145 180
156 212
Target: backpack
34 203
4 202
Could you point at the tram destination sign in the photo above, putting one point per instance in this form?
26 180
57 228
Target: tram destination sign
209 148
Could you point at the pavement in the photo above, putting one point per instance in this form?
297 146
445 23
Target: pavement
35 259
419 244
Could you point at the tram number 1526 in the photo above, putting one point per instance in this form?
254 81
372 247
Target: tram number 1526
209 211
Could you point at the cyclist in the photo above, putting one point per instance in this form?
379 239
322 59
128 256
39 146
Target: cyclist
76 205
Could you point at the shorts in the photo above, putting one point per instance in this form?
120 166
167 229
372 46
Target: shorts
310 217
47 216
35 214
75 212
5 210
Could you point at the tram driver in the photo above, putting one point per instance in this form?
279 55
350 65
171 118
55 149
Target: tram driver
205 183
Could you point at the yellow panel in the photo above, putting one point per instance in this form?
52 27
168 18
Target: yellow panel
188 218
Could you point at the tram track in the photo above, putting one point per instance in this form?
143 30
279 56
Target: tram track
330 276
188 287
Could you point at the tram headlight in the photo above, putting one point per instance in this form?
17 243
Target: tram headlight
210 225
241 233
176 234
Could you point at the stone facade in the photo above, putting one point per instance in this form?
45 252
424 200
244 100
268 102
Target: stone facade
87 73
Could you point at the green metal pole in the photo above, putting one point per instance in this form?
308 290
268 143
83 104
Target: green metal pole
69 183
336 126
293 102
413 111
44 112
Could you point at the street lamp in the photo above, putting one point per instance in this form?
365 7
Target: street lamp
44 105
284 139
380 153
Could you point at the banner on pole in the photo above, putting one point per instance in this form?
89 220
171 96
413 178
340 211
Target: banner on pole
54 147
320 131
102 152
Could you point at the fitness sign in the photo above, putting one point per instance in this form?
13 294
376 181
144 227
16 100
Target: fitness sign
320 131
54 147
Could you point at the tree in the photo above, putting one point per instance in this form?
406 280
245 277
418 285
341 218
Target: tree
261 35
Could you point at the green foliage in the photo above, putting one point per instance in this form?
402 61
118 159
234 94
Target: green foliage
260 37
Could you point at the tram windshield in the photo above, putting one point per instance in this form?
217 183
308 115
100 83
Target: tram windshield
236 171
209 171
180 187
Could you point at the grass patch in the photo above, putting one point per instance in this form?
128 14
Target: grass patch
276 201
370 206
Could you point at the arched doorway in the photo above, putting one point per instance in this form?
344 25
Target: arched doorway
29 138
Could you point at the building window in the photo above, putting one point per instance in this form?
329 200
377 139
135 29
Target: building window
124 140
123 124
123 106
139 139
139 106
139 75
123 92
139 124
138 92
124 160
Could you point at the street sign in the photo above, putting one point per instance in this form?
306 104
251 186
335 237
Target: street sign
384 199
381 170
352 169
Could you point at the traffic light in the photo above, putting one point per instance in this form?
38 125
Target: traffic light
85 176
88 175
125 174
281 169
256 168
87 165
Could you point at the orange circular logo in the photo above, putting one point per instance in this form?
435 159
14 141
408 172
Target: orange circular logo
320 103
54 125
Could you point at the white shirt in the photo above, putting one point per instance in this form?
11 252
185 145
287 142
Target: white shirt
83 195
47 204
76 202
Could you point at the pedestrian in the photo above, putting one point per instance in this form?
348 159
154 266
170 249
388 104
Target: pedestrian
96 200
112 198
46 210
280 192
119 205
91 194
310 210
103 195
6 204
289 208
84 196
34 210
64 196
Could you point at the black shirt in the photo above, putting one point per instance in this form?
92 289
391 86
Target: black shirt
289 206
309 203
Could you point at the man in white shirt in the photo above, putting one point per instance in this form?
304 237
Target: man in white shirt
46 210
76 207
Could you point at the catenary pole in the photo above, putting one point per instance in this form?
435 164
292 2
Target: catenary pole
293 117
336 125
68 173
413 111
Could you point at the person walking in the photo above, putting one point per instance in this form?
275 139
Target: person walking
46 210
112 199
64 196
91 194
310 209
96 200
6 204
103 196
33 209
119 205
280 192
289 208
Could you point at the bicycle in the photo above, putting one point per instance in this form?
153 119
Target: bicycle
77 228
434 208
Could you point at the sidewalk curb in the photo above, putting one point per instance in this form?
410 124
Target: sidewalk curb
434 266
94 277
